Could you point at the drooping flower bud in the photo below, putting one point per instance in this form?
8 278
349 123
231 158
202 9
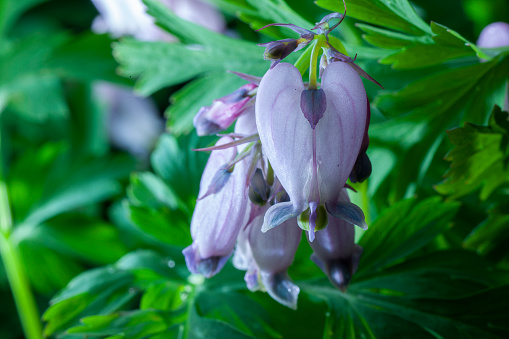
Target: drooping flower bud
217 218
273 252
335 251
312 164
224 111
362 168
276 51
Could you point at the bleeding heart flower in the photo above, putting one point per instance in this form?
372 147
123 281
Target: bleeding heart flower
217 218
312 139
335 251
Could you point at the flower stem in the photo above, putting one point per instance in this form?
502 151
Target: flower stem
23 297
365 201
302 62
314 63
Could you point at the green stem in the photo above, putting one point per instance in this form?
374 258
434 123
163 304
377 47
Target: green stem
365 202
302 62
23 297
25 302
314 63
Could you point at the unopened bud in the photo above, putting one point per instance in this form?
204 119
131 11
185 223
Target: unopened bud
258 189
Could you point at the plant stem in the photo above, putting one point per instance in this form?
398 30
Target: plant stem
23 297
25 302
302 62
314 63
365 202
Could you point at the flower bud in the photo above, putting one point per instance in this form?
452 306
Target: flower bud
335 251
217 218
273 252
278 50
223 112
258 189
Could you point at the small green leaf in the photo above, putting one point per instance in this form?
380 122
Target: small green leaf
403 229
490 237
479 159
170 227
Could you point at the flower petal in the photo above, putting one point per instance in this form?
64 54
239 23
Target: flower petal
340 132
284 131
348 212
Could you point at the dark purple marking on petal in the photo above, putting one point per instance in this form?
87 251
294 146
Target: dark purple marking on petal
313 104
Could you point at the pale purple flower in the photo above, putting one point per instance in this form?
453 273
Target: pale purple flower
494 35
217 218
312 153
224 111
335 251
129 17
133 122
267 256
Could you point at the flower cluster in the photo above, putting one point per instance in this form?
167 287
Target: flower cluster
284 169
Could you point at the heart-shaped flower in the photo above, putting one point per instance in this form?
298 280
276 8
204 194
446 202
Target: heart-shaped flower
219 217
312 139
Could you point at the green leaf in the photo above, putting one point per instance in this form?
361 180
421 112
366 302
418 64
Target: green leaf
479 158
182 176
398 14
413 51
86 57
98 178
11 10
149 190
436 294
490 237
161 64
74 235
259 13
102 291
47 270
170 227
426 108
403 229
25 83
